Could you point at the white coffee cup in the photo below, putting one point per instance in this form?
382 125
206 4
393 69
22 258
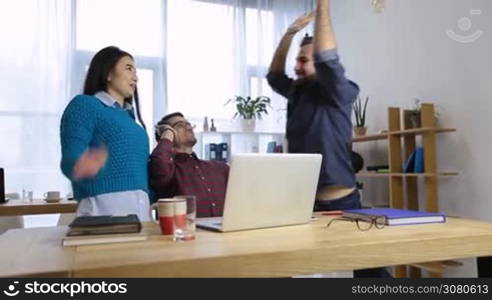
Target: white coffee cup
166 212
52 195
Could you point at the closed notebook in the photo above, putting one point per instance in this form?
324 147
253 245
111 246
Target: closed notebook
223 151
409 166
419 161
87 225
398 216
271 147
415 162
102 239
212 151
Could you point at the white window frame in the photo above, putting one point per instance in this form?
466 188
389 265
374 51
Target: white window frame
82 58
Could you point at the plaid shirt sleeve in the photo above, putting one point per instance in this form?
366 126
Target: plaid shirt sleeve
162 167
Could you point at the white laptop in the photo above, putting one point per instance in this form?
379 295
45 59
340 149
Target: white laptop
268 190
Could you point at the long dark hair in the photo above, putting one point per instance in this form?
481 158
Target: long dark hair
101 65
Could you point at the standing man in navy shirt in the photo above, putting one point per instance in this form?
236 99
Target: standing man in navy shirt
319 107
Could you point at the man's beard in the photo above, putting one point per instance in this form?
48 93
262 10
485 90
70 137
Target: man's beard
305 80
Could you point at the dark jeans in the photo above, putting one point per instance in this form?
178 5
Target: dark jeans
351 201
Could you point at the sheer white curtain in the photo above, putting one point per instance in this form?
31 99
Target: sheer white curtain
35 60
34 89
221 48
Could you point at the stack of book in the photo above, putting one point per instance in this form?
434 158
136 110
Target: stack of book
378 168
218 151
272 147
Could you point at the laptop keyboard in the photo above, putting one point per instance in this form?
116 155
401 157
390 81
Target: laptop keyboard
215 222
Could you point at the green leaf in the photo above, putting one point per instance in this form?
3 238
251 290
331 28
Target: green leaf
249 108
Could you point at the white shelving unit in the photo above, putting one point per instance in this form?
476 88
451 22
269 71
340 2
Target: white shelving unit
238 142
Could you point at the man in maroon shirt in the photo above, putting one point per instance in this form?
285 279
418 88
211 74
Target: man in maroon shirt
176 170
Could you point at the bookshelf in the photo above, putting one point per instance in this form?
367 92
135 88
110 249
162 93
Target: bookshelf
238 142
410 132
402 142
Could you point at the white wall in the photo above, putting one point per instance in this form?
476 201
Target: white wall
405 53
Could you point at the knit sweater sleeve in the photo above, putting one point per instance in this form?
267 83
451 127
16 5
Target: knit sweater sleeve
76 131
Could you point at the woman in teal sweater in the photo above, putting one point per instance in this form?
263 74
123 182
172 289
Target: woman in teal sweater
104 151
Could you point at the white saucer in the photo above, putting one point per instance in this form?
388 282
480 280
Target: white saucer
52 200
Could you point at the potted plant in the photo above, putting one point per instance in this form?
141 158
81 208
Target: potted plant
415 114
250 109
360 116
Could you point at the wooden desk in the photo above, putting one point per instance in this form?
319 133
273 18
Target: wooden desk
274 252
36 207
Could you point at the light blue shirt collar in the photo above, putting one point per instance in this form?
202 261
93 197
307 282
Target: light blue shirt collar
106 98
110 101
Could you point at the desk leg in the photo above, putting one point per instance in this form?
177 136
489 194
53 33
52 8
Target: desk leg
415 272
400 271
435 275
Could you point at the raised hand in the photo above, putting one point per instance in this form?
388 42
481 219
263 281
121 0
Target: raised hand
300 23
90 163
166 131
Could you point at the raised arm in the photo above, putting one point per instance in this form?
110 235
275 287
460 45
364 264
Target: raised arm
280 56
330 72
162 167
276 77
324 37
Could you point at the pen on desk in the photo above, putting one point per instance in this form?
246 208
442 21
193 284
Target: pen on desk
333 213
